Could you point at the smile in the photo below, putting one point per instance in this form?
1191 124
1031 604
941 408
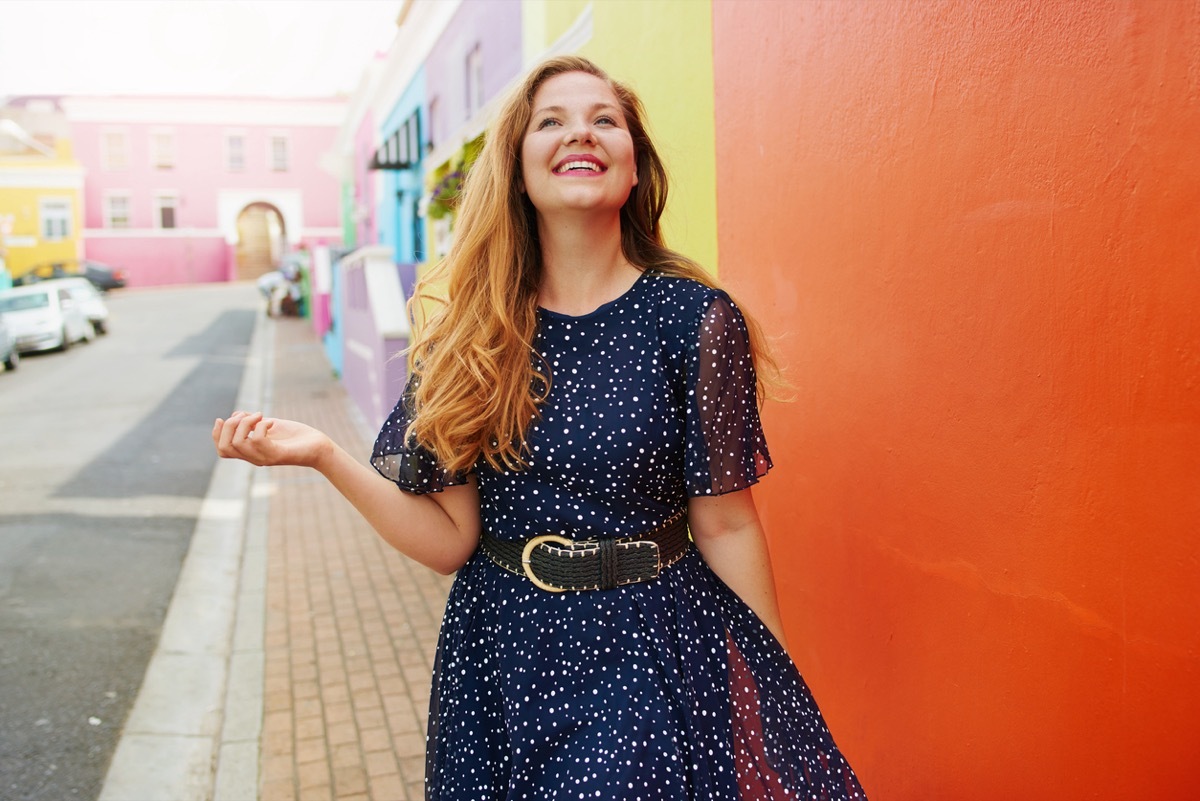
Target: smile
579 166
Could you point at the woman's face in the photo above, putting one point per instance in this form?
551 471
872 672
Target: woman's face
577 154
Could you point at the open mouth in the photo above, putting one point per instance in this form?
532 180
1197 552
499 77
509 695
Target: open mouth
578 167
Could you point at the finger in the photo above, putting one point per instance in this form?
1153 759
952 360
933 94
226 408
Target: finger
244 426
261 428
225 437
220 438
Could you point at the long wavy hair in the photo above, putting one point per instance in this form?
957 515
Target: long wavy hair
479 382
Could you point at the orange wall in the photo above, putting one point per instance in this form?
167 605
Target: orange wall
975 227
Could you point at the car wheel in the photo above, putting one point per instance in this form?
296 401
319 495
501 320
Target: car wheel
13 360
100 327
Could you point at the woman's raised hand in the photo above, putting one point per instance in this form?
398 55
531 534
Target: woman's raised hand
265 441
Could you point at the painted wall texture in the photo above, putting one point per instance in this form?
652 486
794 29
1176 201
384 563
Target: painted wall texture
973 228
365 213
492 26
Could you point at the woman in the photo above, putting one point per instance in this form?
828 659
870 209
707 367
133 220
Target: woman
590 397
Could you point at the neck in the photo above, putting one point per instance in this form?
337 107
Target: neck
583 266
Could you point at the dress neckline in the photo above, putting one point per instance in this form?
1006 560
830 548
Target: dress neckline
602 308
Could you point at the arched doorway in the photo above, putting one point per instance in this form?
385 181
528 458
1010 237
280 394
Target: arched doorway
261 240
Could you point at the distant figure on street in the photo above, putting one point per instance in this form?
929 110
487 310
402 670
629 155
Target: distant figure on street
280 290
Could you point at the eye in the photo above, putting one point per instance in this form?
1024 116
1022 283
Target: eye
546 122
606 121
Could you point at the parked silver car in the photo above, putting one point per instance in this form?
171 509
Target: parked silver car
44 317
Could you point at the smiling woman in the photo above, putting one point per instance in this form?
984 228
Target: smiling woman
582 400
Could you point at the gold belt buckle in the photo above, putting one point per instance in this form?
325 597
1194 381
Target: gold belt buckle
527 557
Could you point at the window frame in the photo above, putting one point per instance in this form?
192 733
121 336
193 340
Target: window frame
110 197
115 159
157 153
474 80
286 140
435 107
64 216
230 136
166 200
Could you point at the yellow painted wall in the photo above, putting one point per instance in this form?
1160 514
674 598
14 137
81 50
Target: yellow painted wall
23 203
663 51
25 180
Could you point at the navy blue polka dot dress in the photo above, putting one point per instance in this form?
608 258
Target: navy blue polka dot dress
671 689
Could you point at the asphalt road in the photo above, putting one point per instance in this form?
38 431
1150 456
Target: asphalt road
104 459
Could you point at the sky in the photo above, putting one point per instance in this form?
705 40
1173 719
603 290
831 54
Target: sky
278 48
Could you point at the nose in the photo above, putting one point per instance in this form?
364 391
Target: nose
579 133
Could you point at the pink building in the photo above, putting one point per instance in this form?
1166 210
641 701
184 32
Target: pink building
197 189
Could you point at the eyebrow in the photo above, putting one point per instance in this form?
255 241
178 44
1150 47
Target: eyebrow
560 109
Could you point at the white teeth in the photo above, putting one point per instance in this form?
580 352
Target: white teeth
575 165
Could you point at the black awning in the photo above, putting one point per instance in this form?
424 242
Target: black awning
401 150
391 155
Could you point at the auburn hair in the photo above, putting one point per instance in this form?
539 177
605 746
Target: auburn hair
478 382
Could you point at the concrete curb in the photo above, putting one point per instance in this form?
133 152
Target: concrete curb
193 732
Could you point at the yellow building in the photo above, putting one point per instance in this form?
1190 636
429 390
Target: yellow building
41 188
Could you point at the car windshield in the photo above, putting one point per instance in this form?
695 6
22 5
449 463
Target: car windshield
36 300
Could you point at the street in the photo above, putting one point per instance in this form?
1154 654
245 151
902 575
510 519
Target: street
105 458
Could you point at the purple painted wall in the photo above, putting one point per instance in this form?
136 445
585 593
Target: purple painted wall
373 378
493 25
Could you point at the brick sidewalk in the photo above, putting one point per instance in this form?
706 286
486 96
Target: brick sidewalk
351 625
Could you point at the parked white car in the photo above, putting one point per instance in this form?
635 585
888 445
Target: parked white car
45 316
85 293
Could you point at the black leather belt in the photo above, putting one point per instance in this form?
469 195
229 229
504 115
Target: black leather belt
557 564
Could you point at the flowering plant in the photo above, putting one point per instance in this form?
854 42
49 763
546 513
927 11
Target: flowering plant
446 188
444 197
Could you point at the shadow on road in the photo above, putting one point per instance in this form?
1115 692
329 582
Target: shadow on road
170 452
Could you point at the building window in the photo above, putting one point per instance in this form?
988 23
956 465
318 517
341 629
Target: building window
55 219
235 152
278 153
162 150
114 150
116 211
435 123
474 81
165 209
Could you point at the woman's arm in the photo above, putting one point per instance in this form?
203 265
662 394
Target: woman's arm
729 535
439 530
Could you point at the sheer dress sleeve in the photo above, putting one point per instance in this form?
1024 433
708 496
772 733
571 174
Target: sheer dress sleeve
726 449
412 467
